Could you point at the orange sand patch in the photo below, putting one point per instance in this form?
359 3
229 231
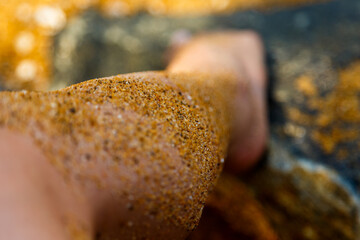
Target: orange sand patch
337 114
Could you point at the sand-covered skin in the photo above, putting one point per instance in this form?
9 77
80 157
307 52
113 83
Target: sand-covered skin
150 144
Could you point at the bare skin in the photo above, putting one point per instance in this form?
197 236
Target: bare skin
33 194
38 196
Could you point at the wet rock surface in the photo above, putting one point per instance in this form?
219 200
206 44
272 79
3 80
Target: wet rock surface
310 184
305 200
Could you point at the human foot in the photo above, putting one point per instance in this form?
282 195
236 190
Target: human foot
143 150
249 143
241 53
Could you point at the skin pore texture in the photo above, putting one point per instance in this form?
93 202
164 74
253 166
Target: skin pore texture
133 155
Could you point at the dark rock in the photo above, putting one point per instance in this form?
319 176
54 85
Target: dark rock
305 199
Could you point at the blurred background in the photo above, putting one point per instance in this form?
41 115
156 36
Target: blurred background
42 39
308 184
